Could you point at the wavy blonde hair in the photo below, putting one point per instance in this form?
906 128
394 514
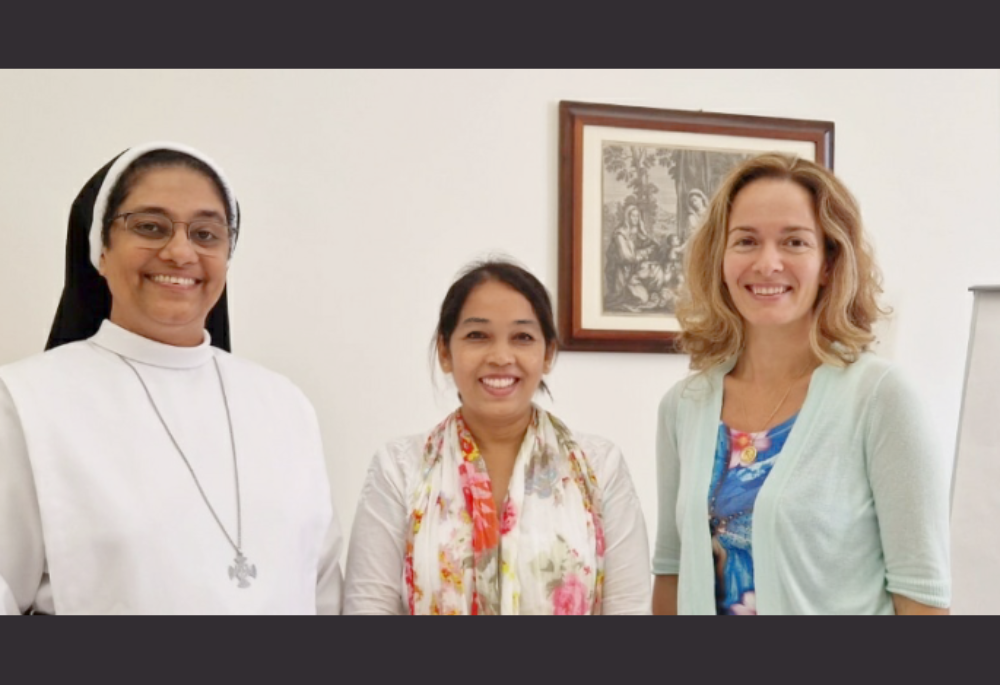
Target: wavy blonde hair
846 308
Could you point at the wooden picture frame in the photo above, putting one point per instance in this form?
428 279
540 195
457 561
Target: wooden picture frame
632 184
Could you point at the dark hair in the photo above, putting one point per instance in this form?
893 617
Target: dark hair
158 159
501 271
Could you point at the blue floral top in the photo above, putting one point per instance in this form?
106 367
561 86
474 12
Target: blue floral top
742 463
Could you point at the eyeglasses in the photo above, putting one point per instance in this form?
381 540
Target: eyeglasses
207 236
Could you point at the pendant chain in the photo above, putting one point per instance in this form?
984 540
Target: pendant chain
773 412
748 454
238 543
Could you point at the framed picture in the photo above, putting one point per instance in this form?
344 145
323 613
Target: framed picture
634 182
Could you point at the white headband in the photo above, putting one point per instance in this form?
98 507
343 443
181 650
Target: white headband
118 168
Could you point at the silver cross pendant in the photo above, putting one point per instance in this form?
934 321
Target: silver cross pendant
241 570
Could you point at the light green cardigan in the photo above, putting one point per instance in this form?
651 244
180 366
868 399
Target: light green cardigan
855 508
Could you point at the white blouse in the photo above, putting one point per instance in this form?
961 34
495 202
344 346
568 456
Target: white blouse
374 579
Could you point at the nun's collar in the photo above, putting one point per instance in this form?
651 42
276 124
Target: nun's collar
135 347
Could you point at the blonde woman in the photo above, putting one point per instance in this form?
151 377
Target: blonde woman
797 471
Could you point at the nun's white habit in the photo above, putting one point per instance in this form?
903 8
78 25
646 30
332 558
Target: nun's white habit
101 512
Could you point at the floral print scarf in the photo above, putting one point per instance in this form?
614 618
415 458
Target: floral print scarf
543 554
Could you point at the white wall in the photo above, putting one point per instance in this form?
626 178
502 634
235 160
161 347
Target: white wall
364 192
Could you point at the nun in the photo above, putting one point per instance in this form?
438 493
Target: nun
143 468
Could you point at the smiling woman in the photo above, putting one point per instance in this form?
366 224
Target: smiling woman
500 509
797 473
164 281
136 448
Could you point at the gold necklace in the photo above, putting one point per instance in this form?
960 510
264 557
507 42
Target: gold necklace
749 453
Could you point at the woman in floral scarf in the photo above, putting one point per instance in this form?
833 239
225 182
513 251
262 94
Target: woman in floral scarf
500 509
